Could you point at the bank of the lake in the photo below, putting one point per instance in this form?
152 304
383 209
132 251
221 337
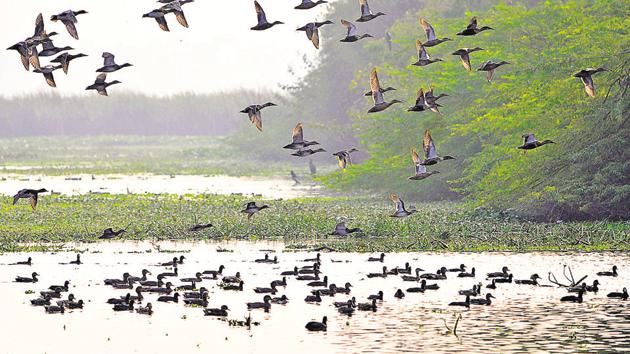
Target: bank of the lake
300 222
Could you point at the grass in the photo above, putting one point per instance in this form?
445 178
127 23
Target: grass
201 155
298 222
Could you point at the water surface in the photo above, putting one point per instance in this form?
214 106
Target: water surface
523 318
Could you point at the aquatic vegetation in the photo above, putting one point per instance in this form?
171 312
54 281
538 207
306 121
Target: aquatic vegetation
302 223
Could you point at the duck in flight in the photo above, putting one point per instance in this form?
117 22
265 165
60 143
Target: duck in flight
47 71
263 24
489 66
342 230
253 111
69 18
309 4
307 152
109 233
49 49
430 152
423 57
344 157
464 56
366 14
432 40
400 212
472 28
352 35
176 8
420 169
30 194
109 65
530 142
298 139
40 35
312 31
100 85
158 15
377 96
65 58
587 79
251 208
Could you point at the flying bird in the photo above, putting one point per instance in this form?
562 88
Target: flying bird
432 40
472 29
353 34
489 66
379 102
253 112
587 79
158 15
47 71
309 4
109 65
400 212
312 31
100 85
344 157
49 49
262 19
65 59
69 18
342 230
430 153
530 142
366 14
420 170
298 139
464 55
423 57
251 208
30 194
176 8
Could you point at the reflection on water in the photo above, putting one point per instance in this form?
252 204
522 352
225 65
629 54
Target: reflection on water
523 318
271 187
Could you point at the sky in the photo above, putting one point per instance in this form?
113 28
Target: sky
218 52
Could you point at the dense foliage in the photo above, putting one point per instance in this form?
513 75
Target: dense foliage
586 174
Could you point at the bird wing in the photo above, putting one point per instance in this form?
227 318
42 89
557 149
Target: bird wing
428 146
162 23
71 28
465 61
420 97
298 134
400 205
108 59
260 13
377 95
473 23
33 200
365 8
352 29
33 58
342 162
25 61
428 29
422 53
16 198
39 25
589 86
257 120
50 79
102 91
529 138
315 38
65 65
179 15
489 74
100 78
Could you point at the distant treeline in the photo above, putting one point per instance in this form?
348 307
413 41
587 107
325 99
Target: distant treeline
185 114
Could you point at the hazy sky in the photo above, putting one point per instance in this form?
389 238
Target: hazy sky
218 52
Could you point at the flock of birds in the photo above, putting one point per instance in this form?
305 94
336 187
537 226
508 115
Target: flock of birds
425 100
194 290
